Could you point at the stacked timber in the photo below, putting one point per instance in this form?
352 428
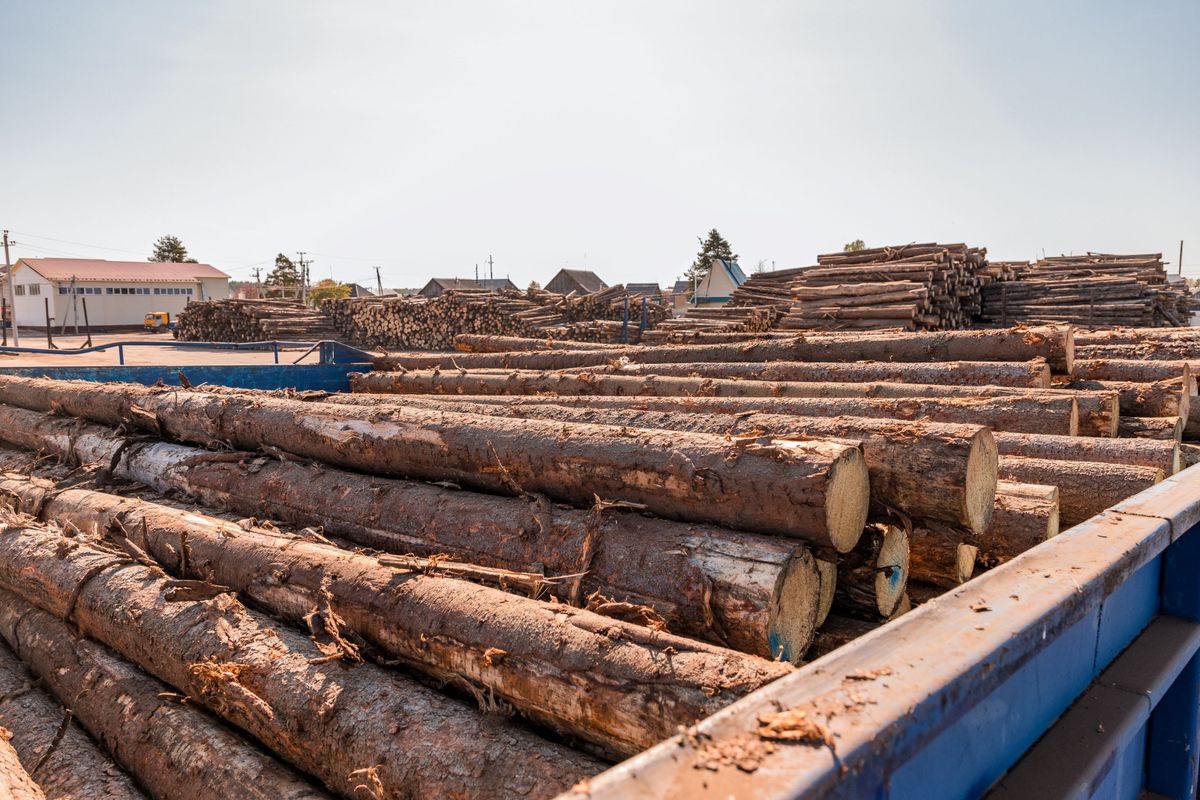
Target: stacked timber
915 287
419 323
748 321
1093 290
252 321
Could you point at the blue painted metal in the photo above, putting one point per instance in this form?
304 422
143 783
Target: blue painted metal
944 701
342 352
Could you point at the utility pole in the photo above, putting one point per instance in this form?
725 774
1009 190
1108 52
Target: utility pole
491 268
12 297
378 282
1181 256
303 277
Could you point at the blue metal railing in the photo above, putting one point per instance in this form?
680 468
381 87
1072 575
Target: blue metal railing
332 348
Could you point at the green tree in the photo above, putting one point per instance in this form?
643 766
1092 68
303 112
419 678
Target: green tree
169 249
712 246
285 272
855 246
328 289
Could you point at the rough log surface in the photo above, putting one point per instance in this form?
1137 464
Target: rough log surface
812 490
1026 515
279 687
1162 429
703 581
1139 453
1120 369
1085 488
176 750
15 783
938 554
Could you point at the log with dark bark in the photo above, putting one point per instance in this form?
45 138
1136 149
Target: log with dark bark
872 577
15 783
175 750
939 555
582 674
1026 515
1085 488
1163 429
69 765
1138 453
925 469
1167 398
1114 369
1033 374
837 631
279 686
712 583
813 490
1055 344
480 343
1052 413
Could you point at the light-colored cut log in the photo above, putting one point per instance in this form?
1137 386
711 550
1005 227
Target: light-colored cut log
1026 515
1139 453
15 783
872 577
1085 488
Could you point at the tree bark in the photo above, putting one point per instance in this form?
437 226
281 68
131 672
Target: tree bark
577 672
277 685
872 577
1084 488
174 749
1163 429
1054 414
837 631
1025 374
479 343
1138 453
15 783
1119 369
706 582
812 490
1055 344
1026 515
935 470
938 554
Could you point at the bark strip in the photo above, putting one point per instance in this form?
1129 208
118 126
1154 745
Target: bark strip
278 686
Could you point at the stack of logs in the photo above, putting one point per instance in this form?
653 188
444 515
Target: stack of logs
747 320
1093 290
419 323
252 321
347 588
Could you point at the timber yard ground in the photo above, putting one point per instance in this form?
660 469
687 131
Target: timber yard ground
145 356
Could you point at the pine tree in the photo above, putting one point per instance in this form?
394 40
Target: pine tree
855 246
286 273
169 249
712 246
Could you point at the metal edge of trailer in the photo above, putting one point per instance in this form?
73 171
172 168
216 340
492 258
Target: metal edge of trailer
947 700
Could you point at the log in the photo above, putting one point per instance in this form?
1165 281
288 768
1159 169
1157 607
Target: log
1189 454
15 783
1026 515
1191 426
478 343
1033 374
174 749
813 490
69 765
1055 344
872 577
1054 414
1085 488
1117 369
1139 453
575 671
938 554
1163 429
280 687
925 469
715 584
837 631
1158 399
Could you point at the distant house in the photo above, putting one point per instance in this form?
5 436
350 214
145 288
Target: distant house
437 286
651 290
580 281
116 293
722 278
358 290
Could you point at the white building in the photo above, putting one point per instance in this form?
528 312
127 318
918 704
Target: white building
716 287
118 293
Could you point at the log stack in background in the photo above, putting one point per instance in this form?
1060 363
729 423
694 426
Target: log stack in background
252 321
1095 290
418 323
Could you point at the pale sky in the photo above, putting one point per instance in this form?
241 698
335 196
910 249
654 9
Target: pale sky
423 137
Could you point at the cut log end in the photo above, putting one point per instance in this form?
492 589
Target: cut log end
794 608
980 495
847 500
828 572
966 556
892 575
